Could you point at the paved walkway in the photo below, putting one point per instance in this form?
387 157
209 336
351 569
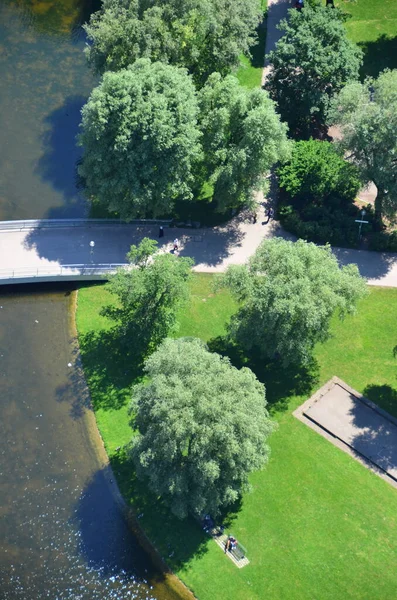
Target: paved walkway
213 250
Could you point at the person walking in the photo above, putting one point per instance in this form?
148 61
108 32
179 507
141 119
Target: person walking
176 245
161 231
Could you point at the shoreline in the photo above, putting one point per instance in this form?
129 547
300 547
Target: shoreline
177 589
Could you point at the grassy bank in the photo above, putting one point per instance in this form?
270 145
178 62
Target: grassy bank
317 523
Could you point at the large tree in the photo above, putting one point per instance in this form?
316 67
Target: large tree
288 294
367 115
140 139
203 427
312 61
317 174
149 294
201 35
242 138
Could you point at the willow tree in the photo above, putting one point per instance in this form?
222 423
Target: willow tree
202 427
367 115
140 139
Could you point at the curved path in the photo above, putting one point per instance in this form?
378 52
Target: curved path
38 254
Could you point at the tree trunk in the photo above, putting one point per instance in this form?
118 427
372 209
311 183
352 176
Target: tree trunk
379 208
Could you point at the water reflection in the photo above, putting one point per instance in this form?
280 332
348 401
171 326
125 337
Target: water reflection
44 82
62 534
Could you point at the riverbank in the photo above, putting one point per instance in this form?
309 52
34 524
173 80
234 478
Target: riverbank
175 588
316 524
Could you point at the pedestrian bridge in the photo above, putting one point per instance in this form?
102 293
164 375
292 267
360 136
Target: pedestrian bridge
36 251
90 249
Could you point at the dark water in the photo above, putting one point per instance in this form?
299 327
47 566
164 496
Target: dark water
44 81
62 533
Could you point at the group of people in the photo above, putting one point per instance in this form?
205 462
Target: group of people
299 4
175 247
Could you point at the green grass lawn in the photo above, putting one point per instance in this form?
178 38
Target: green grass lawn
373 25
317 524
249 73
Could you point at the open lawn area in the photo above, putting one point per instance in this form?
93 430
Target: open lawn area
317 524
250 72
373 25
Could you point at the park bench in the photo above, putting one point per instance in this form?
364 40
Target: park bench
238 555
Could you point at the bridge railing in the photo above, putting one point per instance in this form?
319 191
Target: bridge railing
53 223
59 271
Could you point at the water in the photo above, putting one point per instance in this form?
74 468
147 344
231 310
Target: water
44 82
62 534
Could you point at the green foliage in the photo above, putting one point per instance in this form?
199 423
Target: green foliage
312 61
140 139
203 427
367 115
149 296
202 35
317 173
383 241
317 192
289 292
242 139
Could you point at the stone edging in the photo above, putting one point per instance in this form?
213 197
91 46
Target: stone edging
179 590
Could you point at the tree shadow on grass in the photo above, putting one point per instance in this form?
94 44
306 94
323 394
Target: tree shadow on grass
378 55
177 541
281 382
111 366
383 396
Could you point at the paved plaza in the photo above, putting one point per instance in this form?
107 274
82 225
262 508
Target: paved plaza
354 424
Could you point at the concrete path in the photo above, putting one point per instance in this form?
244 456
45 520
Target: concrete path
213 250
276 10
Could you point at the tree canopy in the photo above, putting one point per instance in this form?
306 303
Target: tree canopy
318 174
203 427
312 61
201 35
140 139
288 294
367 115
242 138
149 294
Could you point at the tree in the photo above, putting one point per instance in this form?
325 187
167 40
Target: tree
367 115
140 139
149 294
317 174
288 294
312 61
242 138
201 35
202 427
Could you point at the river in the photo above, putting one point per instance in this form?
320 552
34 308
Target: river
44 82
63 535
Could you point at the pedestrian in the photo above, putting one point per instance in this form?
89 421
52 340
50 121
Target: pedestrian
176 245
161 231
227 545
254 218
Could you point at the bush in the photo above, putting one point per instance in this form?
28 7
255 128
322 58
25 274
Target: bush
317 192
383 241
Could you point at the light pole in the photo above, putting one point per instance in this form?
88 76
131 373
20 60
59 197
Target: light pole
361 221
92 245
